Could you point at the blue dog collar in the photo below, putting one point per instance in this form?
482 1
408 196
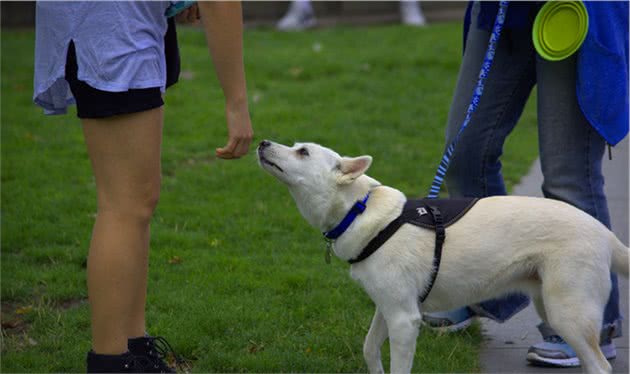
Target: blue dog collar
357 208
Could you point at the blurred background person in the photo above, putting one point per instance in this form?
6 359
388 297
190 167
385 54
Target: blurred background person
301 16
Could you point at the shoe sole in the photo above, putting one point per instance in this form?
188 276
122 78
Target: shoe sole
452 328
538 360
609 351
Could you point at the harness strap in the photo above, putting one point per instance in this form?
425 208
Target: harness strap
440 236
379 240
387 232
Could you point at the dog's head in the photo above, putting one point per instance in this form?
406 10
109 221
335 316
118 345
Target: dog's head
323 183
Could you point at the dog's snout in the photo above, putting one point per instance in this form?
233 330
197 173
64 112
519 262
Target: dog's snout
264 144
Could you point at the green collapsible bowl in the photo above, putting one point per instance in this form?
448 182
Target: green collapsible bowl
559 29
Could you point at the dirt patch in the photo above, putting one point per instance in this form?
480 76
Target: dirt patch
13 314
12 317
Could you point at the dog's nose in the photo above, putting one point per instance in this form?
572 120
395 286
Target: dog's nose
264 144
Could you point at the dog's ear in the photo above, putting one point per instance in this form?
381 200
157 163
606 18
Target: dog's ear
352 168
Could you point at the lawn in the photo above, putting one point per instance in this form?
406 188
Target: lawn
238 281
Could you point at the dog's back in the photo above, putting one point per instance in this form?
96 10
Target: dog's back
502 244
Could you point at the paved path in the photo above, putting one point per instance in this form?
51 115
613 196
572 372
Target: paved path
506 345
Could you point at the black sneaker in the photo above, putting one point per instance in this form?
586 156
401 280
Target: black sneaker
158 351
123 363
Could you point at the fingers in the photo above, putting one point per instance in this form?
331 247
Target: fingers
230 152
227 152
189 15
235 148
193 13
243 147
240 132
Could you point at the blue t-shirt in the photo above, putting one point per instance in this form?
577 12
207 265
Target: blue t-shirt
119 46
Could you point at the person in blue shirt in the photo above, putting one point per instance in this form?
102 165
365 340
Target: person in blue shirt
582 105
115 60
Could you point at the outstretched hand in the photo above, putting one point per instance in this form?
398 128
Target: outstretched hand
240 133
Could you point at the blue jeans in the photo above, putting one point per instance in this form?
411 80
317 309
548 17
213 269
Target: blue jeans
570 149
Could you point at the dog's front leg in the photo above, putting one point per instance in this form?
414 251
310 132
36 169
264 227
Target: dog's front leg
402 326
373 342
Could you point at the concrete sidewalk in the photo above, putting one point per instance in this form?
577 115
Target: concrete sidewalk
506 345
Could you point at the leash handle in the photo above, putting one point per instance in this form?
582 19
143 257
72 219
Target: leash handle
485 70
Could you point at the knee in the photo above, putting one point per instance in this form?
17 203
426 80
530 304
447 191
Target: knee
587 197
457 178
404 327
458 183
137 203
470 174
569 187
147 202
463 180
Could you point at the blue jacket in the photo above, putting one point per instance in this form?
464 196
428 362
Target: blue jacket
602 60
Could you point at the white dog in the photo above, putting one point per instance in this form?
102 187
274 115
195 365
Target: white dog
558 255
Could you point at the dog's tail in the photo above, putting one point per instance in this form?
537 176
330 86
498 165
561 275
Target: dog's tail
620 256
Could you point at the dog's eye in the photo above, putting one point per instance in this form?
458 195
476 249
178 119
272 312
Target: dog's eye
302 151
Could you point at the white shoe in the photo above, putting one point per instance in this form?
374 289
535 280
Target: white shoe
299 17
411 14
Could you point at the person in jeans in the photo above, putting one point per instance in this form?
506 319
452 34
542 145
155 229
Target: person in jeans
582 104
115 60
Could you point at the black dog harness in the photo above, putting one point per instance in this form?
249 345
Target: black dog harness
435 214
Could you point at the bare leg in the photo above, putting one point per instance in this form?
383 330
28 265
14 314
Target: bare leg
373 342
125 155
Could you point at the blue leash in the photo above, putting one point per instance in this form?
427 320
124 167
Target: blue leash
485 70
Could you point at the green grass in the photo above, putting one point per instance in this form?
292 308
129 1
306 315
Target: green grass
252 292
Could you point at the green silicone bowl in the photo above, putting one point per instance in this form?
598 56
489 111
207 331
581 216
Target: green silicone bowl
559 29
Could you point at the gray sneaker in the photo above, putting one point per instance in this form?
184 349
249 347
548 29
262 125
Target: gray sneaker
554 351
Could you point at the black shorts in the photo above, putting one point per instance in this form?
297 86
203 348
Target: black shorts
93 103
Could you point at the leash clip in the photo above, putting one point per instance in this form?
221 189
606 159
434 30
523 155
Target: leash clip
328 253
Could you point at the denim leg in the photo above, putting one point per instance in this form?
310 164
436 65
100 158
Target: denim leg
571 153
475 168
